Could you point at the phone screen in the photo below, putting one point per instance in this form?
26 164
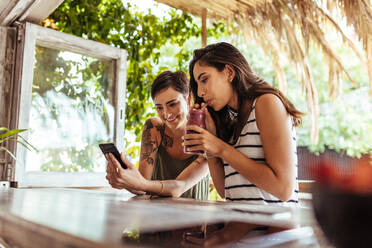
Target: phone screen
111 148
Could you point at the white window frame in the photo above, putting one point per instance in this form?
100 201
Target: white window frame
40 36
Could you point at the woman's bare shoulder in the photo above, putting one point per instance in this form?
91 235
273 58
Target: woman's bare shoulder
270 112
152 129
269 102
153 122
153 125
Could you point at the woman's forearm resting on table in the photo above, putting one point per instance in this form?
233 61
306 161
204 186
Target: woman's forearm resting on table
172 188
190 176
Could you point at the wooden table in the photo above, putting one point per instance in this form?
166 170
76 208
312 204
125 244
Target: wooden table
84 218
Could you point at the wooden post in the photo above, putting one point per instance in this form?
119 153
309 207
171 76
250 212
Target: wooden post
3 34
369 62
204 27
8 41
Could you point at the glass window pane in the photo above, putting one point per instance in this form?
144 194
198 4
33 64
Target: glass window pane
72 111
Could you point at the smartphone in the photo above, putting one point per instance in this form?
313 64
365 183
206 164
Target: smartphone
111 148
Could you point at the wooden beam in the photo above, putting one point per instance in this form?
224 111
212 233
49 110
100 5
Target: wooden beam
369 62
14 108
14 10
7 61
40 10
204 27
3 63
304 186
33 11
8 40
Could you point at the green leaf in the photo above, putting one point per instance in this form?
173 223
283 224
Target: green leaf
3 129
27 144
12 132
9 152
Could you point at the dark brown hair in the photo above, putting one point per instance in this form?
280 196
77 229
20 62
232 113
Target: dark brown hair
177 80
245 83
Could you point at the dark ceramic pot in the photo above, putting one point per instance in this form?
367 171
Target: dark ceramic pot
345 217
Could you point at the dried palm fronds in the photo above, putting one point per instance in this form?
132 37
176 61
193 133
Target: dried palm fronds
284 20
289 26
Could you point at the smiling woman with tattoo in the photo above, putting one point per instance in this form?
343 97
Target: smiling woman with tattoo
164 168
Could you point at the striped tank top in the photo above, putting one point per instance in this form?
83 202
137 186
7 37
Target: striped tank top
237 187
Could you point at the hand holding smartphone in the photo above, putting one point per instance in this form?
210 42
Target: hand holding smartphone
111 148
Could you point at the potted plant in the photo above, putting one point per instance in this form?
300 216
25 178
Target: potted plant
13 135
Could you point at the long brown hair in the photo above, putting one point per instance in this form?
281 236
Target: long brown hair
245 83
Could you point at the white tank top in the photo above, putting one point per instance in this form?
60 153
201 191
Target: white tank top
237 187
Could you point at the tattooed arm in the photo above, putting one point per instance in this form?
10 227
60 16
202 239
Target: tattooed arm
153 132
140 180
149 147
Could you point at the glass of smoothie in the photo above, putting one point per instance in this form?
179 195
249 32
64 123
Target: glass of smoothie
196 117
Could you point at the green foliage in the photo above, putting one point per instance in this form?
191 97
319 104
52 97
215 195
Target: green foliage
13 135
213 195
345 125
141 34
70 160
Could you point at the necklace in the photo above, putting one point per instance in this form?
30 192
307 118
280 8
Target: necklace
232 113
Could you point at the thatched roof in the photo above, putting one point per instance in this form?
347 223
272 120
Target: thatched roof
216 8
275 25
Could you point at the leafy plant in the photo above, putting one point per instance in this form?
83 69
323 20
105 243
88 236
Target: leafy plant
13 135
142 34
345 125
